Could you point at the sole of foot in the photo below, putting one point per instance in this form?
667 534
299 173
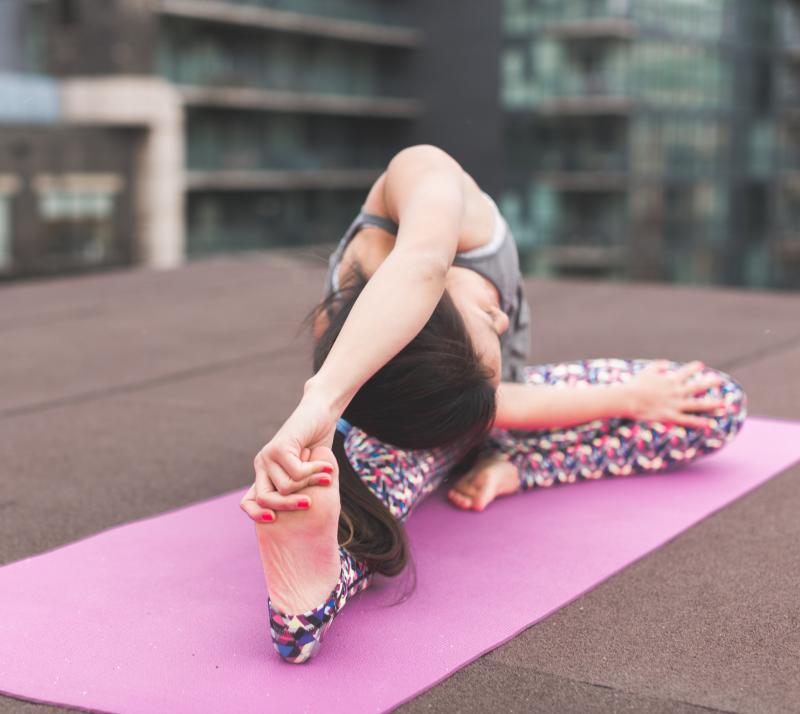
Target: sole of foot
300 551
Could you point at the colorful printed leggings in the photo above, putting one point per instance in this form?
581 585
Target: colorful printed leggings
596 449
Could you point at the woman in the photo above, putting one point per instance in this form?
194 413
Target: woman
425 312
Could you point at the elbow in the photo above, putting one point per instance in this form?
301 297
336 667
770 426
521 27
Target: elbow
432 268
428 266
435 267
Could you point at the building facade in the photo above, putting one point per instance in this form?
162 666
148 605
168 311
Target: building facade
643 137
252 123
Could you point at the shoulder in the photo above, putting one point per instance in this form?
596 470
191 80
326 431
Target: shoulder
422 171
421 156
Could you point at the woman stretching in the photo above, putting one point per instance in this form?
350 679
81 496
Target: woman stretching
419 373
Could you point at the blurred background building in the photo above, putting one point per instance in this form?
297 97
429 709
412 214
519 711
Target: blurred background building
654 138
629 139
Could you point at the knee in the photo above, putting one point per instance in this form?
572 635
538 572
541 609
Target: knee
733 394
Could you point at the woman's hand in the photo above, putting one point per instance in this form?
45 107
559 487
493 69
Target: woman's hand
662 395
264 509
284 466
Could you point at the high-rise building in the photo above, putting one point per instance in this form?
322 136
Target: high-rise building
251 122
644 139
786 195
640 138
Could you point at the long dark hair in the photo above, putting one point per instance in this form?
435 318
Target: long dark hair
433 393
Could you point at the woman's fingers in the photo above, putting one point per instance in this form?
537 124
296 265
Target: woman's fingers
702 404
263 485
688 369
252 509
683 419
256 513
276 502
271 476
280 481
706 383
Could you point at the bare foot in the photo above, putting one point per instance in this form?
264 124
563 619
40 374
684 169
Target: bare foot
300 550
487 480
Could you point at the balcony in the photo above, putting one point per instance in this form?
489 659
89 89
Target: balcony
281 180
590 104
571 93
611 19
284 101
585 181
348 21
592 29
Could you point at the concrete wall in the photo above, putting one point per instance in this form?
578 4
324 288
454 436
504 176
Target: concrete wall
154 105
100 37
11 48
457 75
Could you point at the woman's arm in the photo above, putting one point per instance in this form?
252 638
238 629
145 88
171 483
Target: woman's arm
424 193
660 391
547 406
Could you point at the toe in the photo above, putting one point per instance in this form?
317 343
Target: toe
459 499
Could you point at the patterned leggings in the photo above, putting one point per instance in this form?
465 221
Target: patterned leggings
543 457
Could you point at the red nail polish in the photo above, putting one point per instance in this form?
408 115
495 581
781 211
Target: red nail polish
267 517
325 481
327 469
303 503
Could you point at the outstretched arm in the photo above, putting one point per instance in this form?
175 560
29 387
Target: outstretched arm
655 393
547 406
424 194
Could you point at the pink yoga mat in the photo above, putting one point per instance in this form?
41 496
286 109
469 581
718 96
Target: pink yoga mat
169 614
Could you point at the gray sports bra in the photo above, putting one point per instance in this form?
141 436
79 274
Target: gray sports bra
497 261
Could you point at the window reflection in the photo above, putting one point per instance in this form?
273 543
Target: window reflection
77 218
5 232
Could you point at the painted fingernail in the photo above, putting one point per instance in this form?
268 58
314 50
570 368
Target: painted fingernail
327 469
325 481
267 517
304 503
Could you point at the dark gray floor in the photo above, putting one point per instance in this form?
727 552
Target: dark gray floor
127 394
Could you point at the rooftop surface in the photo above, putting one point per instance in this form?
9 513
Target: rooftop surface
114 386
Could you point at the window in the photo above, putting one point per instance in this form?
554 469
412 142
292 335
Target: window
77 214
5 232
8 187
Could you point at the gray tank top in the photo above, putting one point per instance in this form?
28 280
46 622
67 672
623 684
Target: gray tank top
497 261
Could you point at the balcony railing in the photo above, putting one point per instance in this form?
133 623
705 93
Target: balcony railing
267 180
206 59
614 18
286 143
242 98
564 156
364 11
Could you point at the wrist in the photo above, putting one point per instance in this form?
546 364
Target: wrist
629 401
324 393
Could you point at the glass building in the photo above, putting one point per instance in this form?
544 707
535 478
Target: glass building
292 109
288 112
642 138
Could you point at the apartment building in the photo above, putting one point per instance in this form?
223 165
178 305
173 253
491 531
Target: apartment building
641 138
251 123
786 203
644 139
